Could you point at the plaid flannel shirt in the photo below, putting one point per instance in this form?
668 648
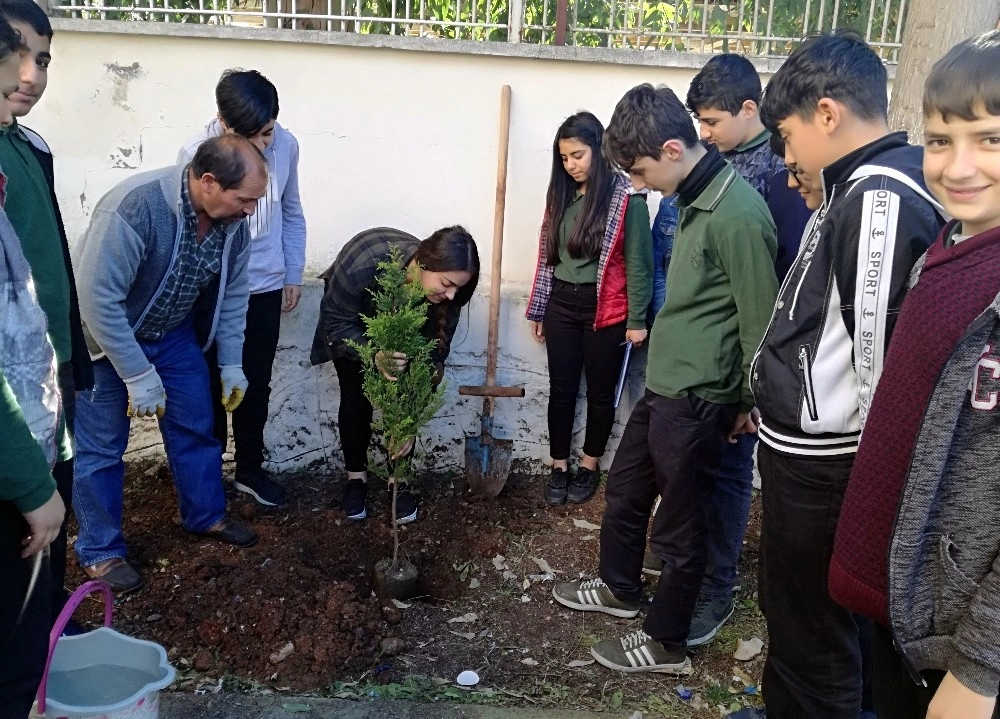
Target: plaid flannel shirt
541 288
193 269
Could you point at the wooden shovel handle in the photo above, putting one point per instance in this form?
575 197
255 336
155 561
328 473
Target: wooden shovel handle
490 391
497 255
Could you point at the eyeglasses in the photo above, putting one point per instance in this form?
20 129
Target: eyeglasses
794 172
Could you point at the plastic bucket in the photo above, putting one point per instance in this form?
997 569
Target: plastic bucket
101 674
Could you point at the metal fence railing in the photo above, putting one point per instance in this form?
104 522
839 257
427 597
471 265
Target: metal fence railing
763 28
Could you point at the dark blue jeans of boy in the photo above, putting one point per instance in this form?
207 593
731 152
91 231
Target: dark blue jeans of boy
730 513
664 228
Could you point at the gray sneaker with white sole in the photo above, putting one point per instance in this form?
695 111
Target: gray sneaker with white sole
593 595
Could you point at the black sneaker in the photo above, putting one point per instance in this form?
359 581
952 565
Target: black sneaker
709 616
406 504
353 501
638 652
555 490
231 532
583 485
651 564
262 488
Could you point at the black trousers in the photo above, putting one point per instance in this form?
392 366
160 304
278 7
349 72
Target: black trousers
25 616
671 448
260 343
354 418
574 346
814 659
897 696
62 472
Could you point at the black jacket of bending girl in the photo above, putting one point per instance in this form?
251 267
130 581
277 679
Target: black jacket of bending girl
347 282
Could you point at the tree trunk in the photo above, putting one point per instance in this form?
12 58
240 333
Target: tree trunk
932 28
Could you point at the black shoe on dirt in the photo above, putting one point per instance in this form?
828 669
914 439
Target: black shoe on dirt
555 490
262 488
709 616
583 485
119 574
639 652
353 501
406 504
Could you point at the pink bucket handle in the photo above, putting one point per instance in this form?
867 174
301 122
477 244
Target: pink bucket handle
75 600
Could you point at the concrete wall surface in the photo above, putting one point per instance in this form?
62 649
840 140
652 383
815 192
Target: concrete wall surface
388 137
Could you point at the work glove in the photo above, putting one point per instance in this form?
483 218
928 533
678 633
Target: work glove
146 396
234 385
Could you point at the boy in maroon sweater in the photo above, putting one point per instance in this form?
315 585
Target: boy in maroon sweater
917 546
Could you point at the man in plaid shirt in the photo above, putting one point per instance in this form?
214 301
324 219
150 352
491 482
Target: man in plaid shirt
165 262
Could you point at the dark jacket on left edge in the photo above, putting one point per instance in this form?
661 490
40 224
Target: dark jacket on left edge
83 371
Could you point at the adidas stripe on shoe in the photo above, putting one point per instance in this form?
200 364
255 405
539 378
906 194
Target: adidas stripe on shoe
638 652
593 595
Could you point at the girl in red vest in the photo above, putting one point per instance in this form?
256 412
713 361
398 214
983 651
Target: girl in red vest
590 294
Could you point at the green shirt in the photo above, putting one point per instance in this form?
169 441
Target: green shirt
638 251
722 290
25 478
29 207
579 270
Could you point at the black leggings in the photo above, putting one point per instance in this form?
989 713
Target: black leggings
354 419
573 345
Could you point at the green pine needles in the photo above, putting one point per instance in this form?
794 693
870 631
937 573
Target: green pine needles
402 407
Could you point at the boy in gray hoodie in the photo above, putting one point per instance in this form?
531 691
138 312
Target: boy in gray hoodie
248 106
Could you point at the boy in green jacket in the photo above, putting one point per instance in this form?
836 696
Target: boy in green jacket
31 511
722 289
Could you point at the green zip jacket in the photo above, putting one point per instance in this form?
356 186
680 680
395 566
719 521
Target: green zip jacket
722 290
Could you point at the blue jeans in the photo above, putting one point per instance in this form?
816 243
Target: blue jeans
664 228
730 513
193 454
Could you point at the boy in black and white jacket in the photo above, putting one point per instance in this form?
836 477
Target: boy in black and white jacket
820 360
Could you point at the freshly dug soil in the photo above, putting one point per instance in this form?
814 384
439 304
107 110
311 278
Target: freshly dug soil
298 613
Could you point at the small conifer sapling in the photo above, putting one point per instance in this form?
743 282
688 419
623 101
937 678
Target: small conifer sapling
403 406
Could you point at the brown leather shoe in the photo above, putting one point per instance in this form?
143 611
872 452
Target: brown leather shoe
232 532
119 574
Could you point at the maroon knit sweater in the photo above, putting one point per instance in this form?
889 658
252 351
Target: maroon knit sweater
956 284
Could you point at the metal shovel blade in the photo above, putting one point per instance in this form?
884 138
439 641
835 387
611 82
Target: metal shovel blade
487 461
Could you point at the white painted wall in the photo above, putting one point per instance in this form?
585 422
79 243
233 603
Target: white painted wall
388 137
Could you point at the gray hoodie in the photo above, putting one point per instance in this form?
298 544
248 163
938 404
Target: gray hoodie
123 262
278 227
